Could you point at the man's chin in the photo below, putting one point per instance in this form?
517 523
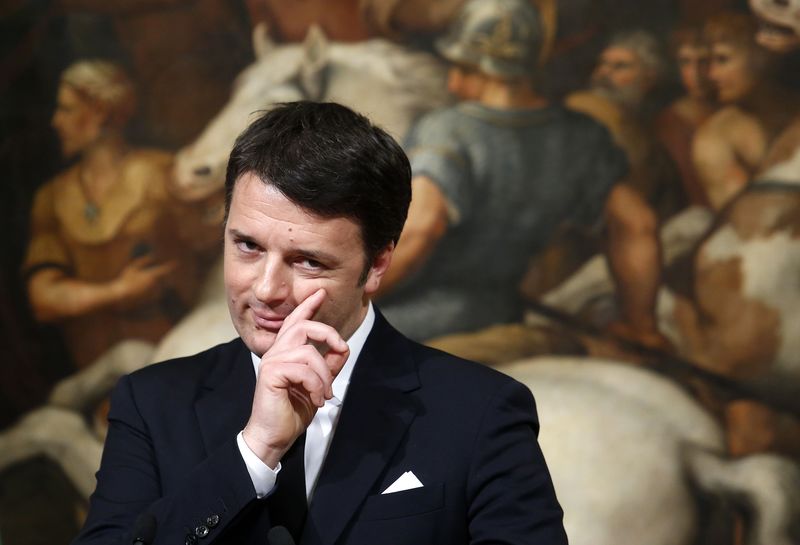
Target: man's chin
259 341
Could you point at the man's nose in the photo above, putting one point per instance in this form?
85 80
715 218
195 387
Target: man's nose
272 284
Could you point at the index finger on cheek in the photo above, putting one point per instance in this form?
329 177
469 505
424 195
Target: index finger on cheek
306 309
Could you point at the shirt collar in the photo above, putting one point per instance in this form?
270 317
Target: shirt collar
356 343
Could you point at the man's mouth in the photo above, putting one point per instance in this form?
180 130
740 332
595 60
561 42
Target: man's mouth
266 320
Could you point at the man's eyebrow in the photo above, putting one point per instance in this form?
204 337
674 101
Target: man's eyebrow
316 255
238 234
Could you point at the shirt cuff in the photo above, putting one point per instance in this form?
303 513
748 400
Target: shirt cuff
263 476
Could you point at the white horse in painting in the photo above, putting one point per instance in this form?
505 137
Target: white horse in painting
389 83
629 452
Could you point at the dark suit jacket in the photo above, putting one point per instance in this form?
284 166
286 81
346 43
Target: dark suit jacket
467 432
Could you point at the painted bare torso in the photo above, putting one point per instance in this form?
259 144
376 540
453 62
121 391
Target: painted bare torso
727 151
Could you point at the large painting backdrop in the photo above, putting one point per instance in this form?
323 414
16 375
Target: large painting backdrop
117 117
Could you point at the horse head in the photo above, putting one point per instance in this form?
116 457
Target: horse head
272 79
389 83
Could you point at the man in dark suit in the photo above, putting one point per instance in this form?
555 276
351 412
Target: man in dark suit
321 417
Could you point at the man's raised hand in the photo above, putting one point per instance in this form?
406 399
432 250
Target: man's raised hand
294 380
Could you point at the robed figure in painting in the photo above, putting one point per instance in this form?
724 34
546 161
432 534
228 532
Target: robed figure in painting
113 253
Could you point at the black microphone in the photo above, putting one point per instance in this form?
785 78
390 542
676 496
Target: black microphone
279 535
144 529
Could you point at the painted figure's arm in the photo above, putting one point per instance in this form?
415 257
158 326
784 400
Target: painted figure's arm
55 295
634 256
426 224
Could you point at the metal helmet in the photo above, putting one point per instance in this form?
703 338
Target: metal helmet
500 38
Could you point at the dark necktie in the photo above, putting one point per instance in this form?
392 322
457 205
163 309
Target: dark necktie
288 504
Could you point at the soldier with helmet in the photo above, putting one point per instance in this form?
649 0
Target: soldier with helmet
495 176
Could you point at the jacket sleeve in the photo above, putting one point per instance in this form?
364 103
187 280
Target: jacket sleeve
128 484
511 494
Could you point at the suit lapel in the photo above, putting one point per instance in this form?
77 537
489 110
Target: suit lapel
375 416
227 396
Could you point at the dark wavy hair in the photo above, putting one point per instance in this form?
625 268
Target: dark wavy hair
330 161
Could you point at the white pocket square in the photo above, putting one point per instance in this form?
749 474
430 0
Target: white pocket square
406 481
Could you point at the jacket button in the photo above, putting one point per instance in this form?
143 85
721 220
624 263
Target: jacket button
212 521
201 531
191 539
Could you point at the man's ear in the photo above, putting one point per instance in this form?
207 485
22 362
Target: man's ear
378 268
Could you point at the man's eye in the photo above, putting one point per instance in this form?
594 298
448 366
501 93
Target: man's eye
310 264
247 245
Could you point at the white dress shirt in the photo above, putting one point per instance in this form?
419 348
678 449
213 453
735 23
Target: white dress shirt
320 431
